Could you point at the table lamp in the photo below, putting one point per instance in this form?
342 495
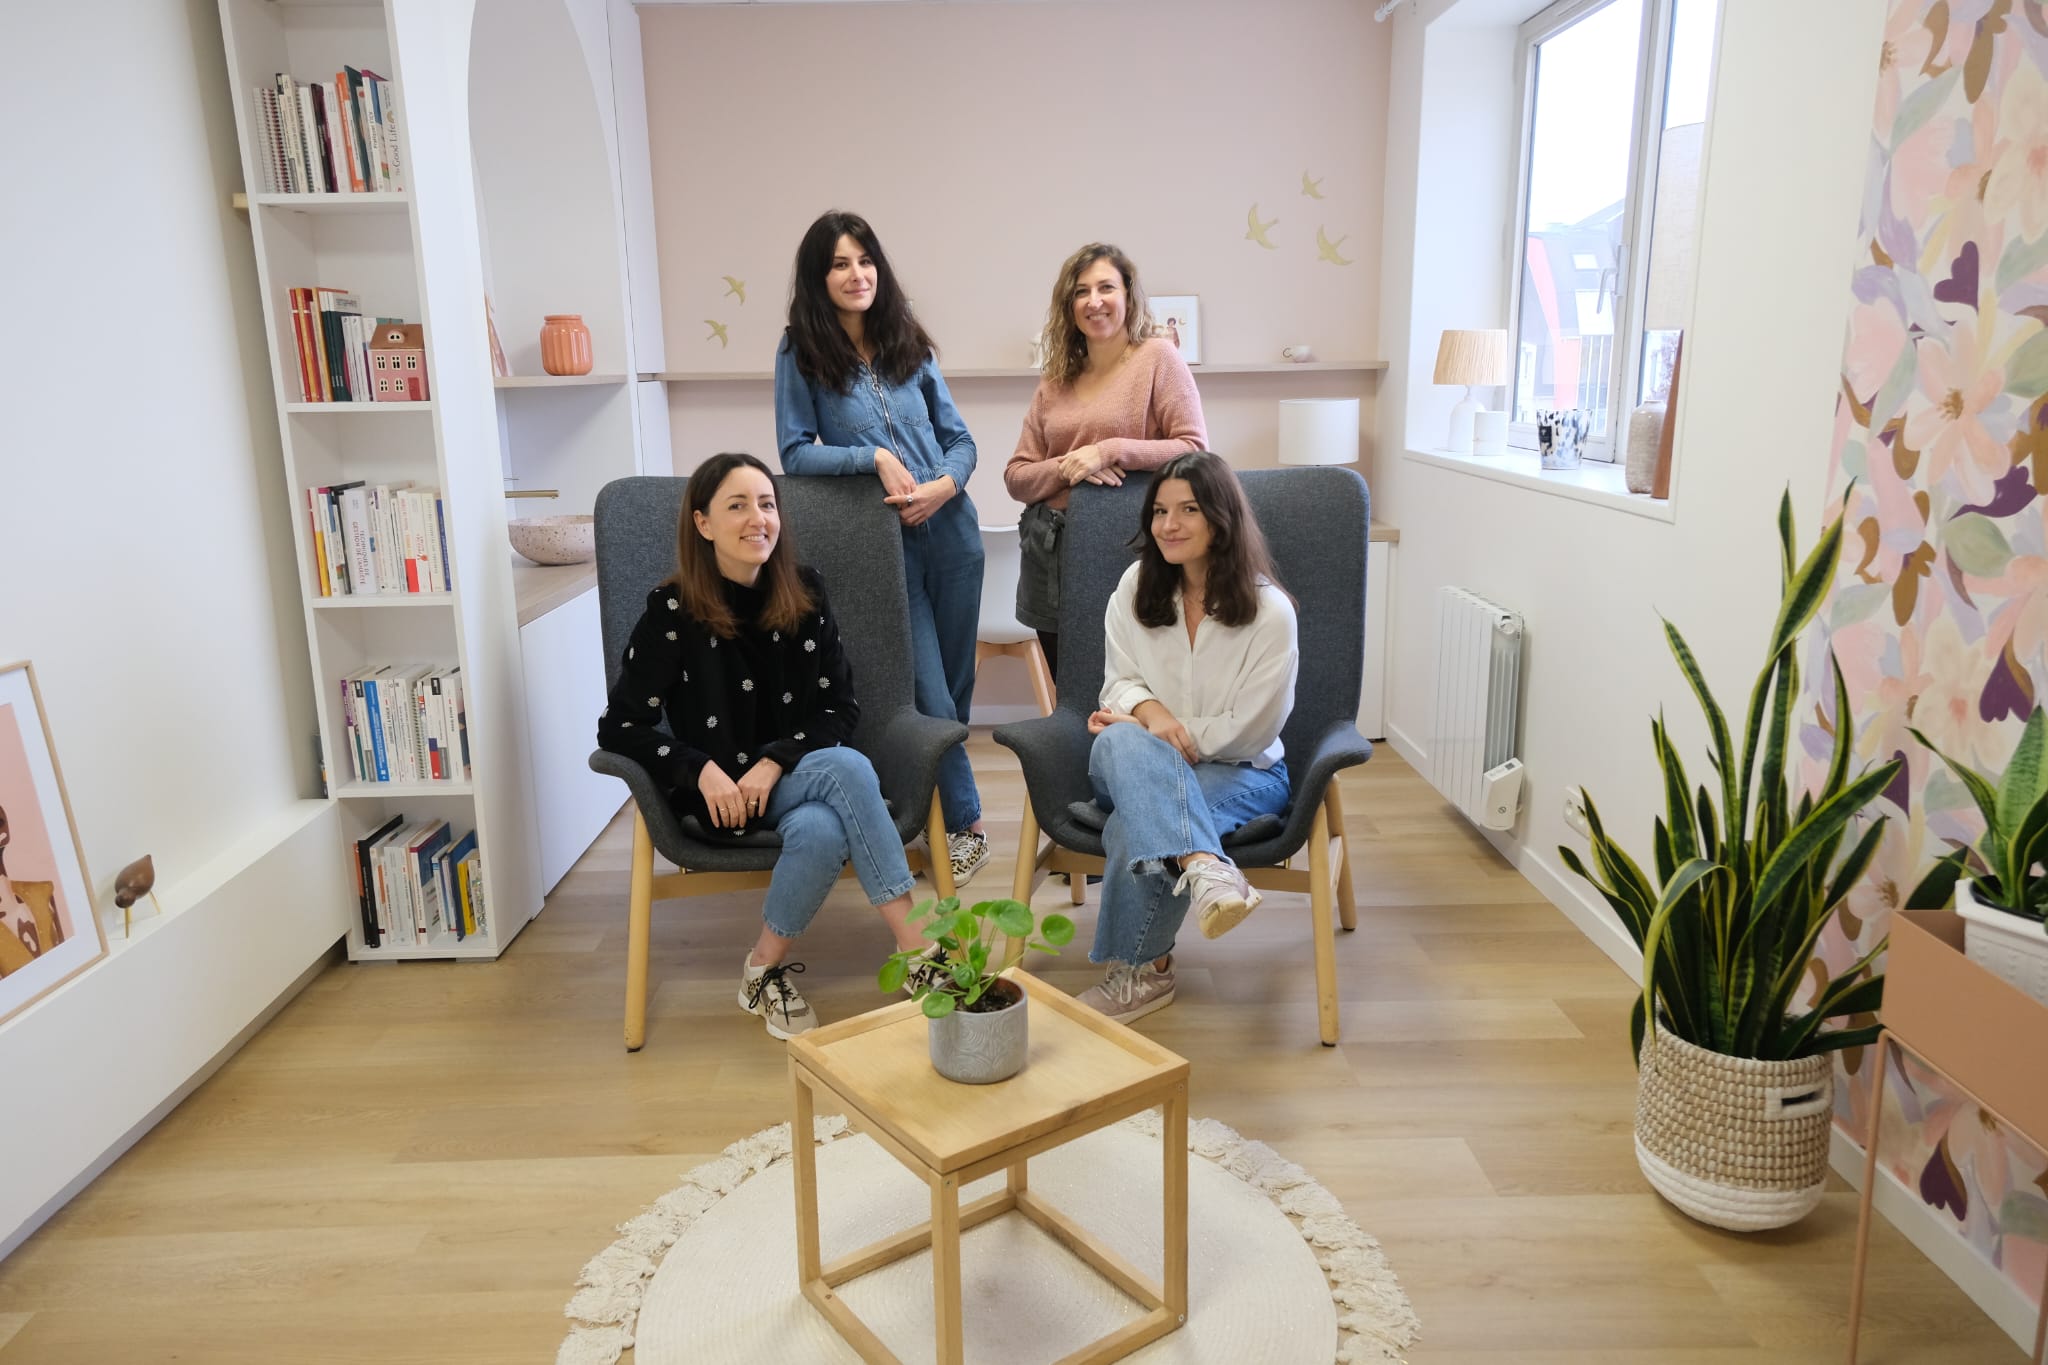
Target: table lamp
1319 431
1475 359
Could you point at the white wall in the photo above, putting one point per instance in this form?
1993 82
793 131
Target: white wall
146 528
1785 166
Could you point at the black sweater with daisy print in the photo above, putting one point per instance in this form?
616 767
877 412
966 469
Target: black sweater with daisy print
762 694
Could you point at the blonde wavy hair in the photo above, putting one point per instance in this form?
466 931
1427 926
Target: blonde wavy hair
1066 349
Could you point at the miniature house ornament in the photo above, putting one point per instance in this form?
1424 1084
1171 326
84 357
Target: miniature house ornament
398 363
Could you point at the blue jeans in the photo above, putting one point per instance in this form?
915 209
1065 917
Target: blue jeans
1159 808
829 809
942 562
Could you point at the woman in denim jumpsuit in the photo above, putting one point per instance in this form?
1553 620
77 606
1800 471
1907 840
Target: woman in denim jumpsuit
858 392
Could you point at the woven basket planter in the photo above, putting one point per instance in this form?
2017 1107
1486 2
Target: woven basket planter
1733 1141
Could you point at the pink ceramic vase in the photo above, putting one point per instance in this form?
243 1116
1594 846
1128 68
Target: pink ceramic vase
565 344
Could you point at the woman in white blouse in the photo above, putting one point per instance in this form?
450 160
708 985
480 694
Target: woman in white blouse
1198 678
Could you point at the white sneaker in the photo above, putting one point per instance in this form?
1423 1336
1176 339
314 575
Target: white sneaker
1220 895
969 854
1131 991
927 969
768 992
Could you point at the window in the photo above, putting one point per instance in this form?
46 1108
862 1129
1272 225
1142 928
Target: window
1613 112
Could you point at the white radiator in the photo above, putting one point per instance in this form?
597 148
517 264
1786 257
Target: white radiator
1478 686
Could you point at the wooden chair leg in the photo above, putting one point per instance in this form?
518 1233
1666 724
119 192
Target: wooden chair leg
1879 1054
941 853
1041 676
1023 879
639 922
1347 908
1077 887
1325 933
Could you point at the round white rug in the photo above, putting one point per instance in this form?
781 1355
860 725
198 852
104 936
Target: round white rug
1277 1273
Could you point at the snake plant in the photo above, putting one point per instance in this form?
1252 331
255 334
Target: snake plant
2015 814
1746 873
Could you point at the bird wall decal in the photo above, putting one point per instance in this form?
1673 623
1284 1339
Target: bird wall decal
717 330
1256 231
1327 249
1312 188
734 286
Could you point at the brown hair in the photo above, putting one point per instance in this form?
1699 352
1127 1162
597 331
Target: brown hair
697 579
1066 349
817 339
1238 557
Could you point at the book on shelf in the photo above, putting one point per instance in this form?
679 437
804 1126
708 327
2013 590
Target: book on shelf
335 135
417 882
384 539
405 724
335 341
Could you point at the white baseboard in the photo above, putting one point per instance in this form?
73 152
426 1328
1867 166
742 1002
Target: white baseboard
2001 1299
105 1056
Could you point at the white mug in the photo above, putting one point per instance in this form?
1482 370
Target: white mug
1298 354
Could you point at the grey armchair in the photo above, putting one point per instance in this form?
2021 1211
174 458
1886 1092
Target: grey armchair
1315 521
844 531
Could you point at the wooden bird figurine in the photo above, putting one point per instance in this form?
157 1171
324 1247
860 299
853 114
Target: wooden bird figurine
131 884
717 330
1256 231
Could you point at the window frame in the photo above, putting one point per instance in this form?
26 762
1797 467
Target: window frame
1653 70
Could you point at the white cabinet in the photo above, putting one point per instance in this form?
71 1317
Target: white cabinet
563 655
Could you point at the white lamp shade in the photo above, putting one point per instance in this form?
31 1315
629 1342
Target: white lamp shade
1319 431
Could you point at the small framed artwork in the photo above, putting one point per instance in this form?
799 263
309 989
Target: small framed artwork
1177 317
49 932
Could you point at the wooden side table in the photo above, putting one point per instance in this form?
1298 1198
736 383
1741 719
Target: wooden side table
1980 1034
1085 1072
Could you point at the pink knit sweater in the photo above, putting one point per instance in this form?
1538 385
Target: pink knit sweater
1148 413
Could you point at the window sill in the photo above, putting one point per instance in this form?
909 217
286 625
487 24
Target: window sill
1594 481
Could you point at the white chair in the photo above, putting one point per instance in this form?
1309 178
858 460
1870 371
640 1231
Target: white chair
1000 632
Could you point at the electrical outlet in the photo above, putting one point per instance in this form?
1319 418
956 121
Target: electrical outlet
1575 811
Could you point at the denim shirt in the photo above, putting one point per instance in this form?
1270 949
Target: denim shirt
823 432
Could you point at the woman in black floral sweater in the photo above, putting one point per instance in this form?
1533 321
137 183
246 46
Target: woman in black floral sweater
740 654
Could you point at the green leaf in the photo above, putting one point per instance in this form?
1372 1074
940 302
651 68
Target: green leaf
1057 929
1826 822
963 975
1976 544
2026 776
977 958
1856 864
2026 373
937 1005
1835 1040
1920 106
1787 556
1982 792
1717 725
893 973
1013 918
2023 1213
1674 895
1938 888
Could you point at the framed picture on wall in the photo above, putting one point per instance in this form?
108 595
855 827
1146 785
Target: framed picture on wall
1177 317
49 931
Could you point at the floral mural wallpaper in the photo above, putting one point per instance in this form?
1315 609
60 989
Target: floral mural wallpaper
1939 617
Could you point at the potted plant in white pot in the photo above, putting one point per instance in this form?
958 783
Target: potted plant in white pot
979 1030
2004 899
1735 1085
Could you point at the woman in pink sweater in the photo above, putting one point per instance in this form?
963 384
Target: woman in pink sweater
1112 398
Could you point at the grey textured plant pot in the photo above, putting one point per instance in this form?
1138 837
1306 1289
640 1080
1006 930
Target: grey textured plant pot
981 1049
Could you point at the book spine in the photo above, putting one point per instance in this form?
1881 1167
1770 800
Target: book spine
317 539
379 162
349 160
309 139
373 699
323 146
396 168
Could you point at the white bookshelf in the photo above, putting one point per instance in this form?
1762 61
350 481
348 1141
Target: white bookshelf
411 254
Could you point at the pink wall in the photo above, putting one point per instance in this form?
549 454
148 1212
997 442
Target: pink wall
985 142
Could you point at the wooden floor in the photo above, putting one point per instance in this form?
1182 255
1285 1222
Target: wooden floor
413 1160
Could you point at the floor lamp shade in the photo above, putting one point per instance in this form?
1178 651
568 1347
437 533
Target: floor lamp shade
1319 431
1476 359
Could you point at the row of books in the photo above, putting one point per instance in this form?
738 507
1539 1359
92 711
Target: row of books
406 723
330 137
378 538
334 338
416 882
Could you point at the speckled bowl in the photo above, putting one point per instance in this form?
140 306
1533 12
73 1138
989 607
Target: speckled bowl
554 540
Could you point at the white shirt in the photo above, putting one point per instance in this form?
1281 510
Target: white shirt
1232 688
